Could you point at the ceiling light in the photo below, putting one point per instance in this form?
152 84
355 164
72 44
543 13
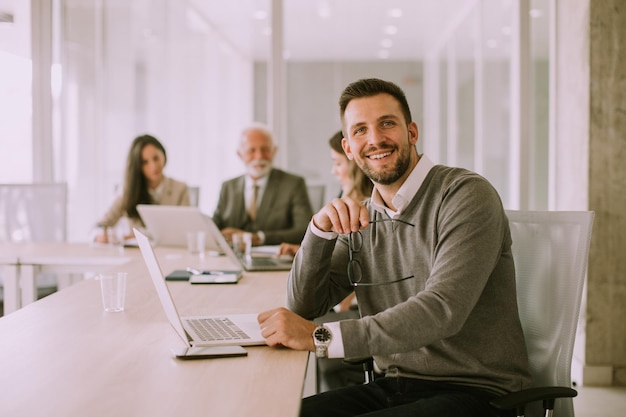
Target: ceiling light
395 13
390 30
383 54
386 43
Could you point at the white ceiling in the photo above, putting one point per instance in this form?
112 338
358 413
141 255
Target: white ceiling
335 29
356 29
329 29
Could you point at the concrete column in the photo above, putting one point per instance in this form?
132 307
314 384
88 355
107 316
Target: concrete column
605 342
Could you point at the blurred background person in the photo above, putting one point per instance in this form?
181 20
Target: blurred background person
271 204
144 183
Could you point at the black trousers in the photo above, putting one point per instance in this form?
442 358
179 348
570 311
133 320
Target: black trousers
400 397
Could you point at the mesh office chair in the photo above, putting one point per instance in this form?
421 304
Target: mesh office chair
194 196
34 213
550 250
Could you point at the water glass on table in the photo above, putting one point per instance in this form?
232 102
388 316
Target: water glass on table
113 287
196 242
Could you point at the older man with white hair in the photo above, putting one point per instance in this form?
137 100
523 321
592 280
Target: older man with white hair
268 202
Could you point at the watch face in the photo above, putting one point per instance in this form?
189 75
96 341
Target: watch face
322 334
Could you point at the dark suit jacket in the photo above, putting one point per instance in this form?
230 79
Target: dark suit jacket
284 212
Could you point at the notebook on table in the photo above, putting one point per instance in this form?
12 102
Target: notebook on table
200 332
256 262
168 225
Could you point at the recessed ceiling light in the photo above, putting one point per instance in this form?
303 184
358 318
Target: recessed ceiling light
390 30
383 54
395 13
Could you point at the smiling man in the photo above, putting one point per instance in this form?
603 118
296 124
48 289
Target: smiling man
429 257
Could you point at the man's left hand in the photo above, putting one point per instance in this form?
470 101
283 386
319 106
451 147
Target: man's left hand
281 327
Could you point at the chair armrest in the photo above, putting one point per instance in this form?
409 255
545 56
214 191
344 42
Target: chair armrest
368 367
517 400
358 361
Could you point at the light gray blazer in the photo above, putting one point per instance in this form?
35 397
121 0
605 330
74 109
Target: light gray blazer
175 193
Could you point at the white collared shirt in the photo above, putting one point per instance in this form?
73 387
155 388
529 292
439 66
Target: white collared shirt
407 191
249 189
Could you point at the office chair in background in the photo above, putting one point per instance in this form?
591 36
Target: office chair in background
550 250
34 212
194 196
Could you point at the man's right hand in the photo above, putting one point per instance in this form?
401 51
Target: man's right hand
342 215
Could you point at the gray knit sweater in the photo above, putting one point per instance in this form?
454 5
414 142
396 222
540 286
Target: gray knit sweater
457 319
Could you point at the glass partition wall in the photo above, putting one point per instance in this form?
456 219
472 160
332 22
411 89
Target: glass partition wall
487 98
194 72
158 67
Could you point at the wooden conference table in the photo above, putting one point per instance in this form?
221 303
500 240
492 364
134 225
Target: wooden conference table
64 356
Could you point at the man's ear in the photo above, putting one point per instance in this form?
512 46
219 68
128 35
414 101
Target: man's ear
346 148
413 133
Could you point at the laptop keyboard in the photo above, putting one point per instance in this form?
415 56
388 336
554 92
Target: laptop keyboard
210 329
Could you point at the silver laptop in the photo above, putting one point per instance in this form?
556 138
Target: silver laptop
168 225
257 262
199 331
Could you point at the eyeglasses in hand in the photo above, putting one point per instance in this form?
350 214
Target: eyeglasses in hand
355 243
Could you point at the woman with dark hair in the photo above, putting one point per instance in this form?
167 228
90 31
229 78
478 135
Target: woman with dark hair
144 183
353 181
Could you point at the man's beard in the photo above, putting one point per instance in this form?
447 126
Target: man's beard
387 177
258 169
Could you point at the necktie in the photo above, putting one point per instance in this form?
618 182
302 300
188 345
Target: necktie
252 208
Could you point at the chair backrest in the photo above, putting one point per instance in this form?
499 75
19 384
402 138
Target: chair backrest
316 196
194 196
550 250
33 212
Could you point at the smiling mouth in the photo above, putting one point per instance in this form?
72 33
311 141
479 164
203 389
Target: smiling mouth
379 156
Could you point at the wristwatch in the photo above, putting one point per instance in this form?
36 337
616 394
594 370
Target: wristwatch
321 339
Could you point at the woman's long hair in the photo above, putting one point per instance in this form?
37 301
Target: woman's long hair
135 183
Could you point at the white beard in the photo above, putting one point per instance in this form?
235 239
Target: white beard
258 169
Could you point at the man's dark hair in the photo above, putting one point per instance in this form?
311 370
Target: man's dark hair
371 87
